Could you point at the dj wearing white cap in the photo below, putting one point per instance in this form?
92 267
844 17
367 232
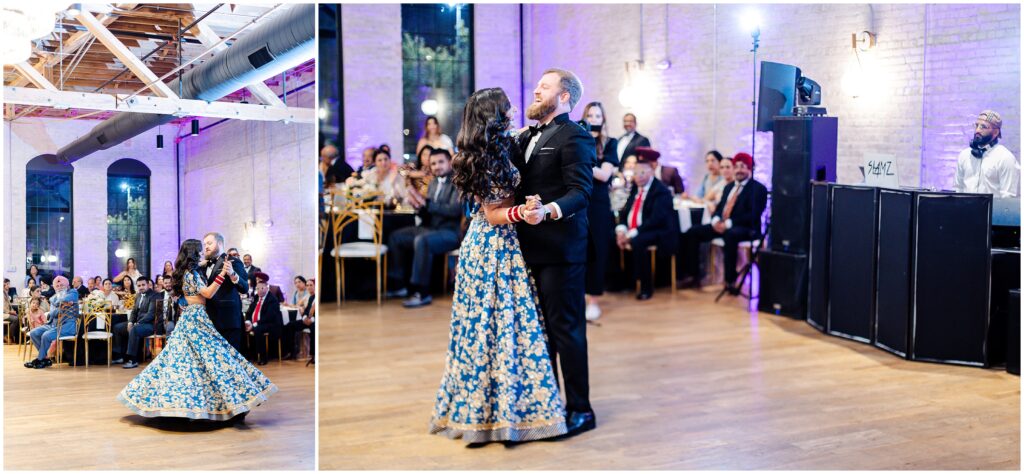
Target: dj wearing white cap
987 166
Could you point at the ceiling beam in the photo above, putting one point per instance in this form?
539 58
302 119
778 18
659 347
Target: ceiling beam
156 105
30 73
122 52
209 38
74 42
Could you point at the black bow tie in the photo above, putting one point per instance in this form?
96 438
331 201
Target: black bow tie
534 129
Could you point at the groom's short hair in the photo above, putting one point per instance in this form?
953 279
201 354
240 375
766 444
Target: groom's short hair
216 236
570 83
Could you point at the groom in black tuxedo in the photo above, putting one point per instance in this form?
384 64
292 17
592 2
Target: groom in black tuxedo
556 163
225 308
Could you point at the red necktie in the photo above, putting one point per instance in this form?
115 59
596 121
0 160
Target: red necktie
636 207
731 203
256 314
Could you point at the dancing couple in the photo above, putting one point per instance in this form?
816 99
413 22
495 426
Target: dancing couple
201 374
519 294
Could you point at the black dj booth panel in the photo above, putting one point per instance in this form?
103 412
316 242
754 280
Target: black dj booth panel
817 257
852 261
951 269
894 278
783 283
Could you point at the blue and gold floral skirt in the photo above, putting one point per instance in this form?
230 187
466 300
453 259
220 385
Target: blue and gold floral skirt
198 375
498 384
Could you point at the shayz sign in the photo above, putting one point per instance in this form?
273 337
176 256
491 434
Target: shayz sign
881 170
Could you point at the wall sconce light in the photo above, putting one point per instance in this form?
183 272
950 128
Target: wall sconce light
863 41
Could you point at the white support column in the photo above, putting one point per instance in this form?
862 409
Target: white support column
122 52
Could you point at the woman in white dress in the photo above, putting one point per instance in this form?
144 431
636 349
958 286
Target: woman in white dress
131 272
386 178
433 137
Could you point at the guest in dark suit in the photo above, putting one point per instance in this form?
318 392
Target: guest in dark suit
647 219
669 175
368 162
250 270
337 169
263 317
306 320
599 213
556 162
76 284
225 308
138 327
736 219
417 246
631 139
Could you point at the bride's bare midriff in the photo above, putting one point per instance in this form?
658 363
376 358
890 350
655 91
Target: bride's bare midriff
191 300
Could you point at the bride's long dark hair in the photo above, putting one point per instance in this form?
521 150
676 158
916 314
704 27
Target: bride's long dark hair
484 160
188 259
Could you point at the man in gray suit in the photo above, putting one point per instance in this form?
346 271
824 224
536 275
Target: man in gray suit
439 234
138 327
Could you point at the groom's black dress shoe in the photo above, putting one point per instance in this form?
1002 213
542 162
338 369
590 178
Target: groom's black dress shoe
643 296
577 422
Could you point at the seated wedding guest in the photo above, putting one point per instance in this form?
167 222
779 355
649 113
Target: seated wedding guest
48 290
91 286
304 321
648 221
433 137
368 154
337 169
301 293
418 178
76 283
713 195
10 312
309 317
32 274
36 315
27 291
631 139
63 313
168 268
128 287
387 178
987 166
37 292
159 283
736 219
669 175
439 234
168 306
714 176
10 290
131 272
137 328
107 290
263 317
385 148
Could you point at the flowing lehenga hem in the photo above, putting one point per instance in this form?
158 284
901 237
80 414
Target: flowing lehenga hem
482 433
199 414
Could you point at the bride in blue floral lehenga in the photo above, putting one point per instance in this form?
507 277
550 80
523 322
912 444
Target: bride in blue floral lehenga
498 384
198 375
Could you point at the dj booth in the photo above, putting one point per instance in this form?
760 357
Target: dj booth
914 272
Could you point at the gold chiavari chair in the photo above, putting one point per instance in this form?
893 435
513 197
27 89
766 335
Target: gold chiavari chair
106 316
350 209
25 327
159 337
62 339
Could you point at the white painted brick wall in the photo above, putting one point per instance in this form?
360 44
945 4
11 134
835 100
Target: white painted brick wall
28 138
241 171
934 68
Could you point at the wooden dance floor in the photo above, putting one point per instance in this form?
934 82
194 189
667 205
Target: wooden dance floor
677 382
67 418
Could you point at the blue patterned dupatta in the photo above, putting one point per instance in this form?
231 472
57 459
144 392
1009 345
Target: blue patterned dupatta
498 384
199 375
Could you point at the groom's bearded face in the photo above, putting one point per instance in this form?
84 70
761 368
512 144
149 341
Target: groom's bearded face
210 248
545 97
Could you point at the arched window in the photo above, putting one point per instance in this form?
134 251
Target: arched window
49 233
127 215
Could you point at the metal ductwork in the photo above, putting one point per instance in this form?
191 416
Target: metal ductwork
271 48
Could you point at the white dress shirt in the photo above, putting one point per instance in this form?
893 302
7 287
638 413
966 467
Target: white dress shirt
623 143
624 228
996 172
